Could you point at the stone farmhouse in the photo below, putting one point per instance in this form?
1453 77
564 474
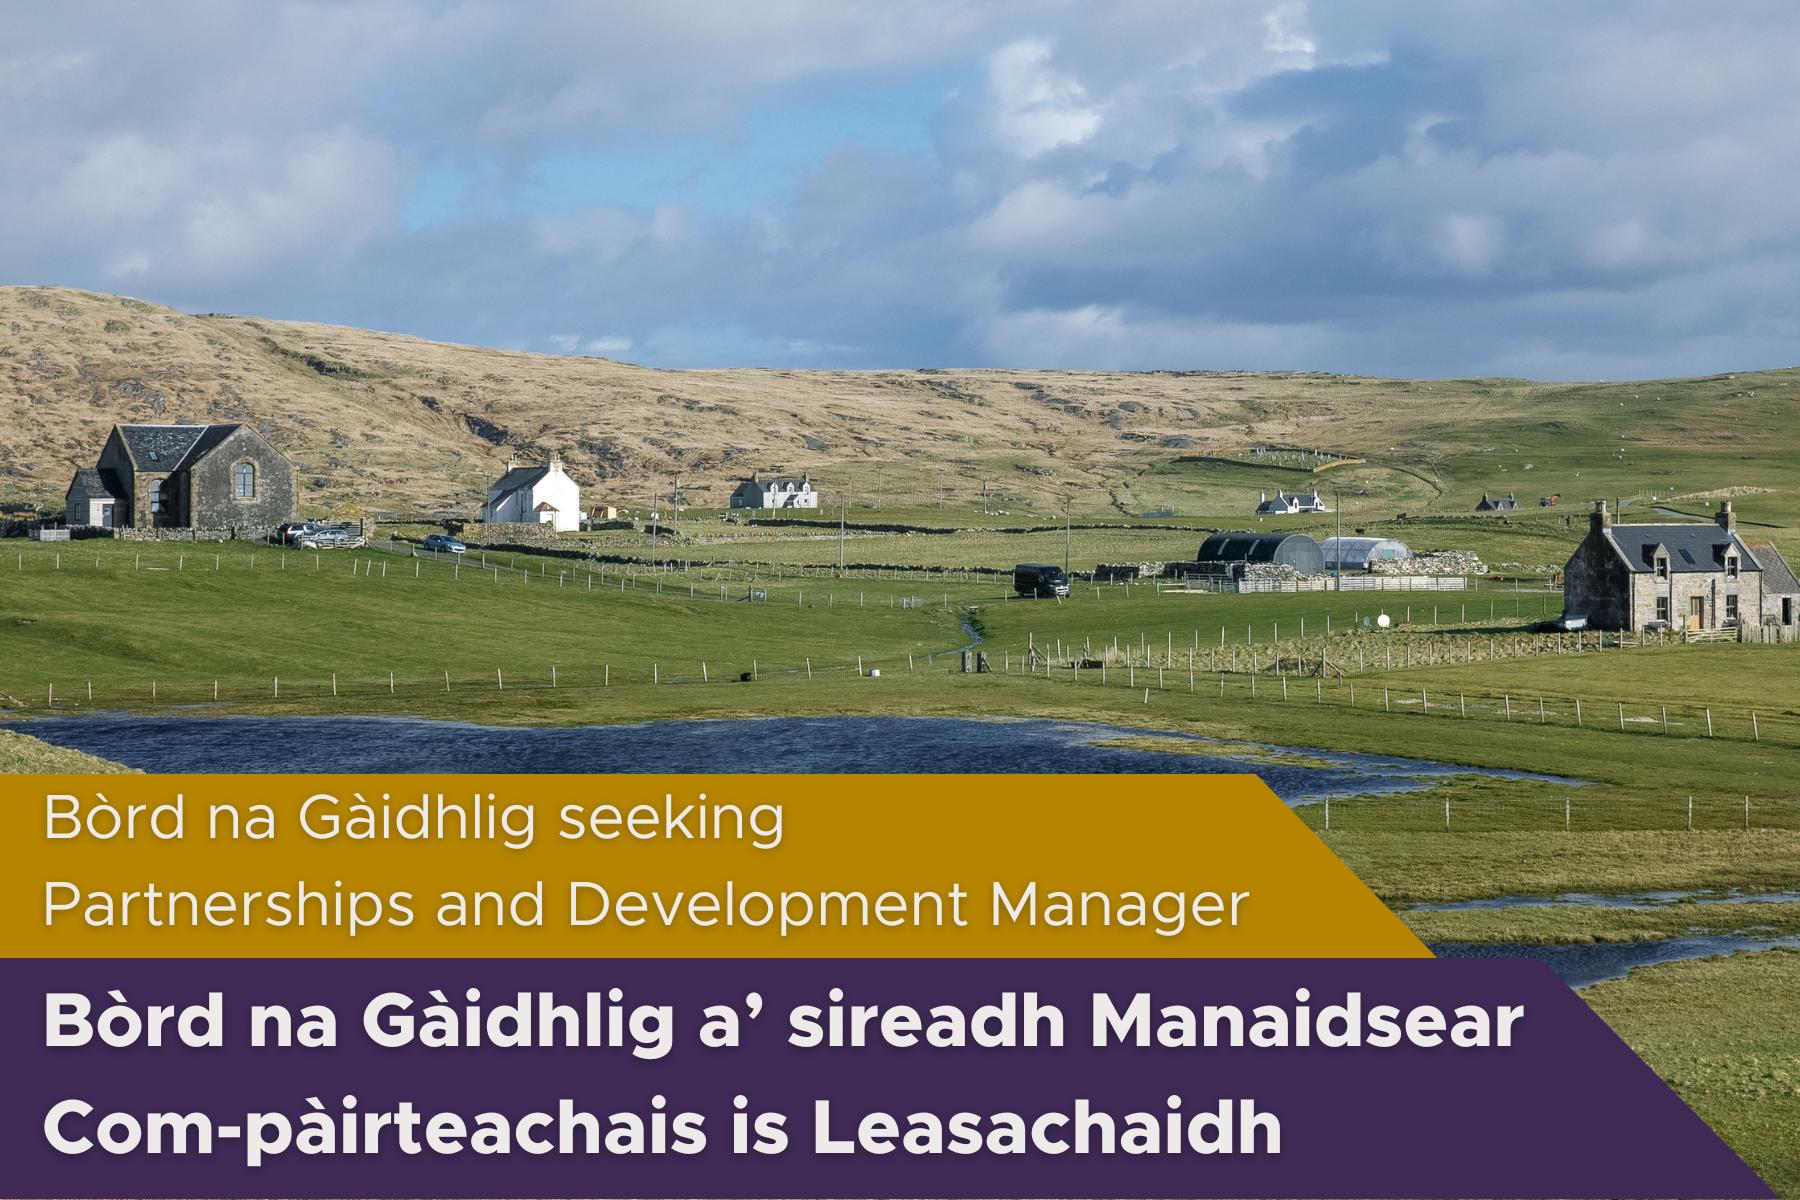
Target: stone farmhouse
1688 576
782 492
1489 503
540 495
213 477
1285 503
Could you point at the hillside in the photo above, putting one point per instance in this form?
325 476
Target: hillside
391 422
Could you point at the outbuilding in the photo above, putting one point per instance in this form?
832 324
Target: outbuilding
1360 553
1230 550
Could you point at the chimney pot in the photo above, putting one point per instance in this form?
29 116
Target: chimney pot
1727 519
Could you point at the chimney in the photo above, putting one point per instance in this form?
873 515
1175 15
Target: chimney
510 464
1727 519
556 464
1601 518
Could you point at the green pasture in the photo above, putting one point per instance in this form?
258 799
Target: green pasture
1721 1032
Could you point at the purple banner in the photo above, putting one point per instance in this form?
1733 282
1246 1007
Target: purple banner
1544 1101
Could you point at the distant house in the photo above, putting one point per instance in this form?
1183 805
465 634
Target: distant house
1496 503
183 477
1688 576
782 492
1285 503
540 495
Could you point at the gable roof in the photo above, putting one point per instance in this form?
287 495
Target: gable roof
172 447
159 447
90 483
518 477
208 441
1778 577
1691 547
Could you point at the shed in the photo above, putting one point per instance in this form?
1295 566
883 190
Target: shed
1359 553
1294 550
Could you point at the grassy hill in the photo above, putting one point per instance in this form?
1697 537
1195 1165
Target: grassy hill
391 422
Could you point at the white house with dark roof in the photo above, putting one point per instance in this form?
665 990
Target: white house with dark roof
1682 576
1289 503
541 495
784 491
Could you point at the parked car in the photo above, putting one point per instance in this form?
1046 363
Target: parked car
290 533
327 539
1567 623
445 543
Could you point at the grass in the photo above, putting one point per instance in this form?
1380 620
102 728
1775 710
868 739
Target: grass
21 754
1721 1032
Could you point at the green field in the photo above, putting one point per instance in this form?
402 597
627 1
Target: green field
159 627
1722 1033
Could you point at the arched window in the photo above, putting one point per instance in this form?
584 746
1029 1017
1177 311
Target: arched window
243 481
156 497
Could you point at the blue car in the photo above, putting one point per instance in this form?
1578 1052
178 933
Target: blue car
445 543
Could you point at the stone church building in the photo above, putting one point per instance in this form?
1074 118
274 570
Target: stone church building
1688 577
214 477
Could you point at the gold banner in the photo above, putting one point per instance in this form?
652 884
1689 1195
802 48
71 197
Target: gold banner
674 866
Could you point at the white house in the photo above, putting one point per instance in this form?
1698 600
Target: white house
784 492
1284 502
534 496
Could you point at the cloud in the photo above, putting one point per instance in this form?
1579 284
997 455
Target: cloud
1036 108
1388 187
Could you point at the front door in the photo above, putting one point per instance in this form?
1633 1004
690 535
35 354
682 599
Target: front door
1696 612
1787 610
106 516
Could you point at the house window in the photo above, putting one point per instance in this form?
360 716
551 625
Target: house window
1662 567
1662 609
243 481
156 496
1731 606
1731 567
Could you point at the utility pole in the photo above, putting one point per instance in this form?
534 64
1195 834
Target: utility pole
1068 531
1337 531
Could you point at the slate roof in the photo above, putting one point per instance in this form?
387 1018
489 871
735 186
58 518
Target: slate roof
1778 577
208 442
172 447
515 479
1496 503
90 483
1691 548
159 447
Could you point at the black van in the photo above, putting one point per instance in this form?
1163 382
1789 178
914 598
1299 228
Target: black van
1040 579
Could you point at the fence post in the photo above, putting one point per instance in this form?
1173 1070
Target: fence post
1578 714
1709 732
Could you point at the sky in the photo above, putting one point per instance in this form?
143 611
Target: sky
1548 190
